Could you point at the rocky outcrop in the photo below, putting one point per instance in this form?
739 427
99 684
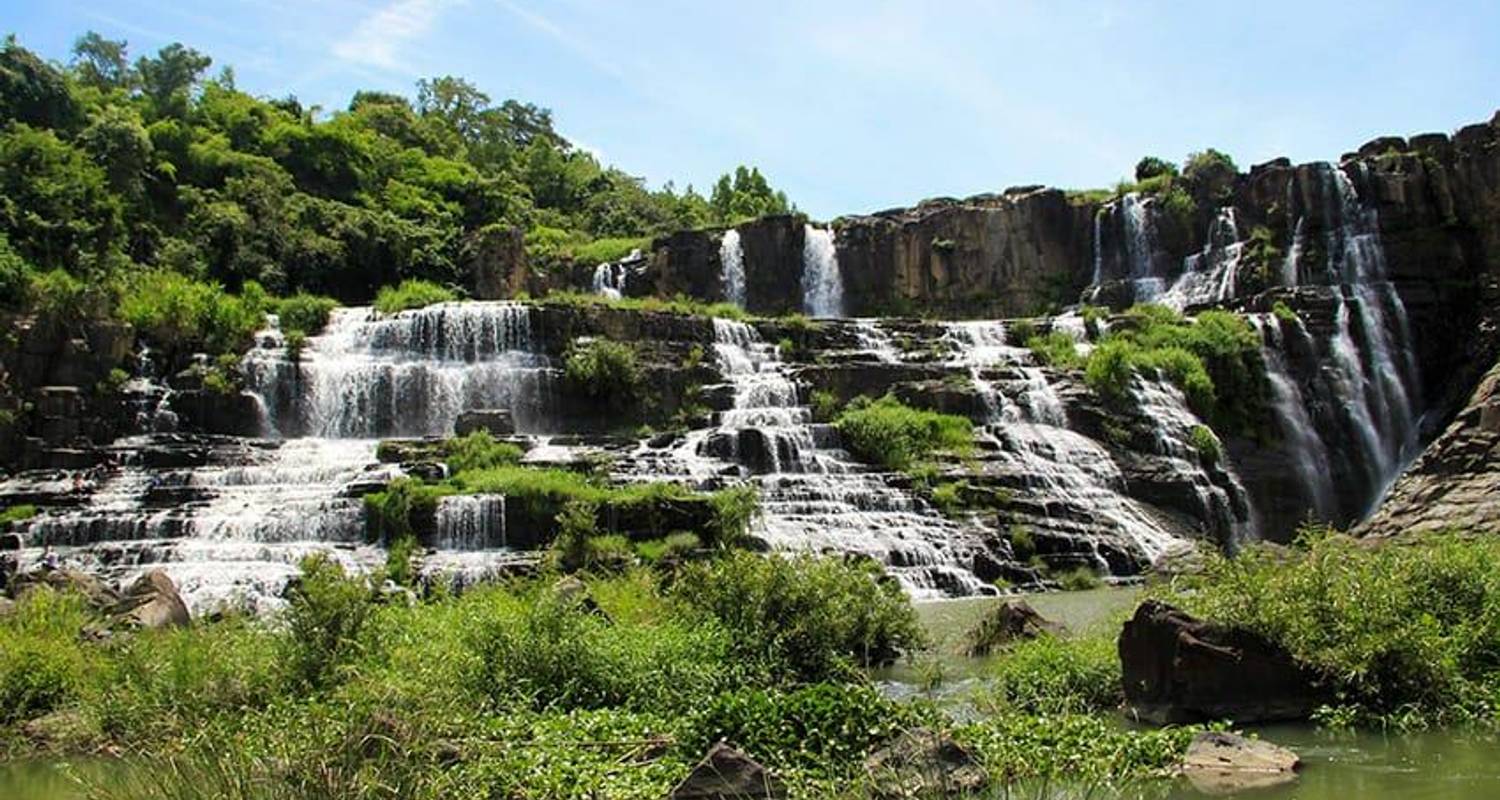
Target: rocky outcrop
494 421
495 259
728 774
1180 669
1456 481
151 602
1008 622
925 763
688 263
1219 763
988 256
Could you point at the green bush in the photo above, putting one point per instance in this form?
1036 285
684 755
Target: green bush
1207 444
1056 349
1151 167
412 293
41 668
1078 579
19 513
1021 330
181 314
1284 312
611 249
548 652
305 313
479 450
825 405
808 618
1072 747
324 618
735 509
1404 633
605 371
674 547
1053 675
894 435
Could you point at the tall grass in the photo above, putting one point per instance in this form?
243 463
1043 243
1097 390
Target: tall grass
892 434
411 294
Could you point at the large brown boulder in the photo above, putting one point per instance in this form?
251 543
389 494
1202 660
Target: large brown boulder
728 774
1177 668
1009 621
151 602
66 579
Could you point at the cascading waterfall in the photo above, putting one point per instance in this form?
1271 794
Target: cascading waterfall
1138 259
822 285
408 374
1209 276
471 522
732 262
230 533
814 497
1309 454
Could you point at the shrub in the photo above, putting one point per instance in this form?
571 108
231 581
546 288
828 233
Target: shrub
604 371
577 524
181 314
388 513
305 313
674 547
1052 675
1021 330
1285 313
412 293
1022 543
58 295
948 497
1078 579
891 434
602 250
1151 167
326 613
1072 747
1056 349
480 450
735 509
401 560
548 652
1207 444
41 667
1204 163
19 513
825 405
807 618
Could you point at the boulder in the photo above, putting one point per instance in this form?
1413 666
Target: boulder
925 763
65 579
1224 763
570 590
497 421
151 602
1180 669
728 774
11 541
1009 621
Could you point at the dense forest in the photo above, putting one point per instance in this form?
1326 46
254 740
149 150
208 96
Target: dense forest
114 167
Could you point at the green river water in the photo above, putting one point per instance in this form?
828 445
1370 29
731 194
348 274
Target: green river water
1337 765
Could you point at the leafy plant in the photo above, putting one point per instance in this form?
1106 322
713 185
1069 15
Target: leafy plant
410 294
894 435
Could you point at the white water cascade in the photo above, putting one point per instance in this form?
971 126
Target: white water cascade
609 278
822 285
814 496
732 262
407 374
1209 276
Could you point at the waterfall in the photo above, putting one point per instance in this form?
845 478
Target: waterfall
409 374
1309 454
822 285
732 262
875 342
609 279
1137 259
1209 276
471 522
814 496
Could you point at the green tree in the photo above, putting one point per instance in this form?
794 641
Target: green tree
33 92
168 79
102 63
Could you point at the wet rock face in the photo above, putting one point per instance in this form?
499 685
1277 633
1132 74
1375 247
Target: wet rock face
1179 669
689 263
988 256
1456 481
496 263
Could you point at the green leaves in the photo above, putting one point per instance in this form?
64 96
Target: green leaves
894 435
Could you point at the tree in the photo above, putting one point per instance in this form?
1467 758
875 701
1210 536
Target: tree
453 100
117 141
747 196
55 204
101 63
169 79
33 92
1151 167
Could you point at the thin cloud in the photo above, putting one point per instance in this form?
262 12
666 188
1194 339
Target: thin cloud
379 38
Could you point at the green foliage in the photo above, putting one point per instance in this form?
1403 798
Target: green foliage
1214 359
479 450
305 313
17 513
676 547
825 405
1021 330
1284 312
807 728
807 618
611 249
1404 633
891 434
604 371
1152 167
1092 316
1073 747
1078 579
412 294
39 669
181 314
1022 543
1203 163
1056 349
744 196
401 560
735 508
578 526
326 614
1054 675
1207 444
680 304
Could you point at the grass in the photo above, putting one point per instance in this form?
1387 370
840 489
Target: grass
1405 634
610 249
681 304
1056 349
410 294
19 513
891 434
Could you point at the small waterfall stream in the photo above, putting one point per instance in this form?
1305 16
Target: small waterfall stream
732 262
822 285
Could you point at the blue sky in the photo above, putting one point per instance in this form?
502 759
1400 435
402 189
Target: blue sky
858 106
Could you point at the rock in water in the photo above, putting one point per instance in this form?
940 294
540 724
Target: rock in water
1010 621
152 602
497 421
925 763
728 774
1224 763
1180 669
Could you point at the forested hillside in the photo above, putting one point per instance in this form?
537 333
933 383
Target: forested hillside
116 166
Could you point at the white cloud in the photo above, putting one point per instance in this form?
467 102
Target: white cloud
378 39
